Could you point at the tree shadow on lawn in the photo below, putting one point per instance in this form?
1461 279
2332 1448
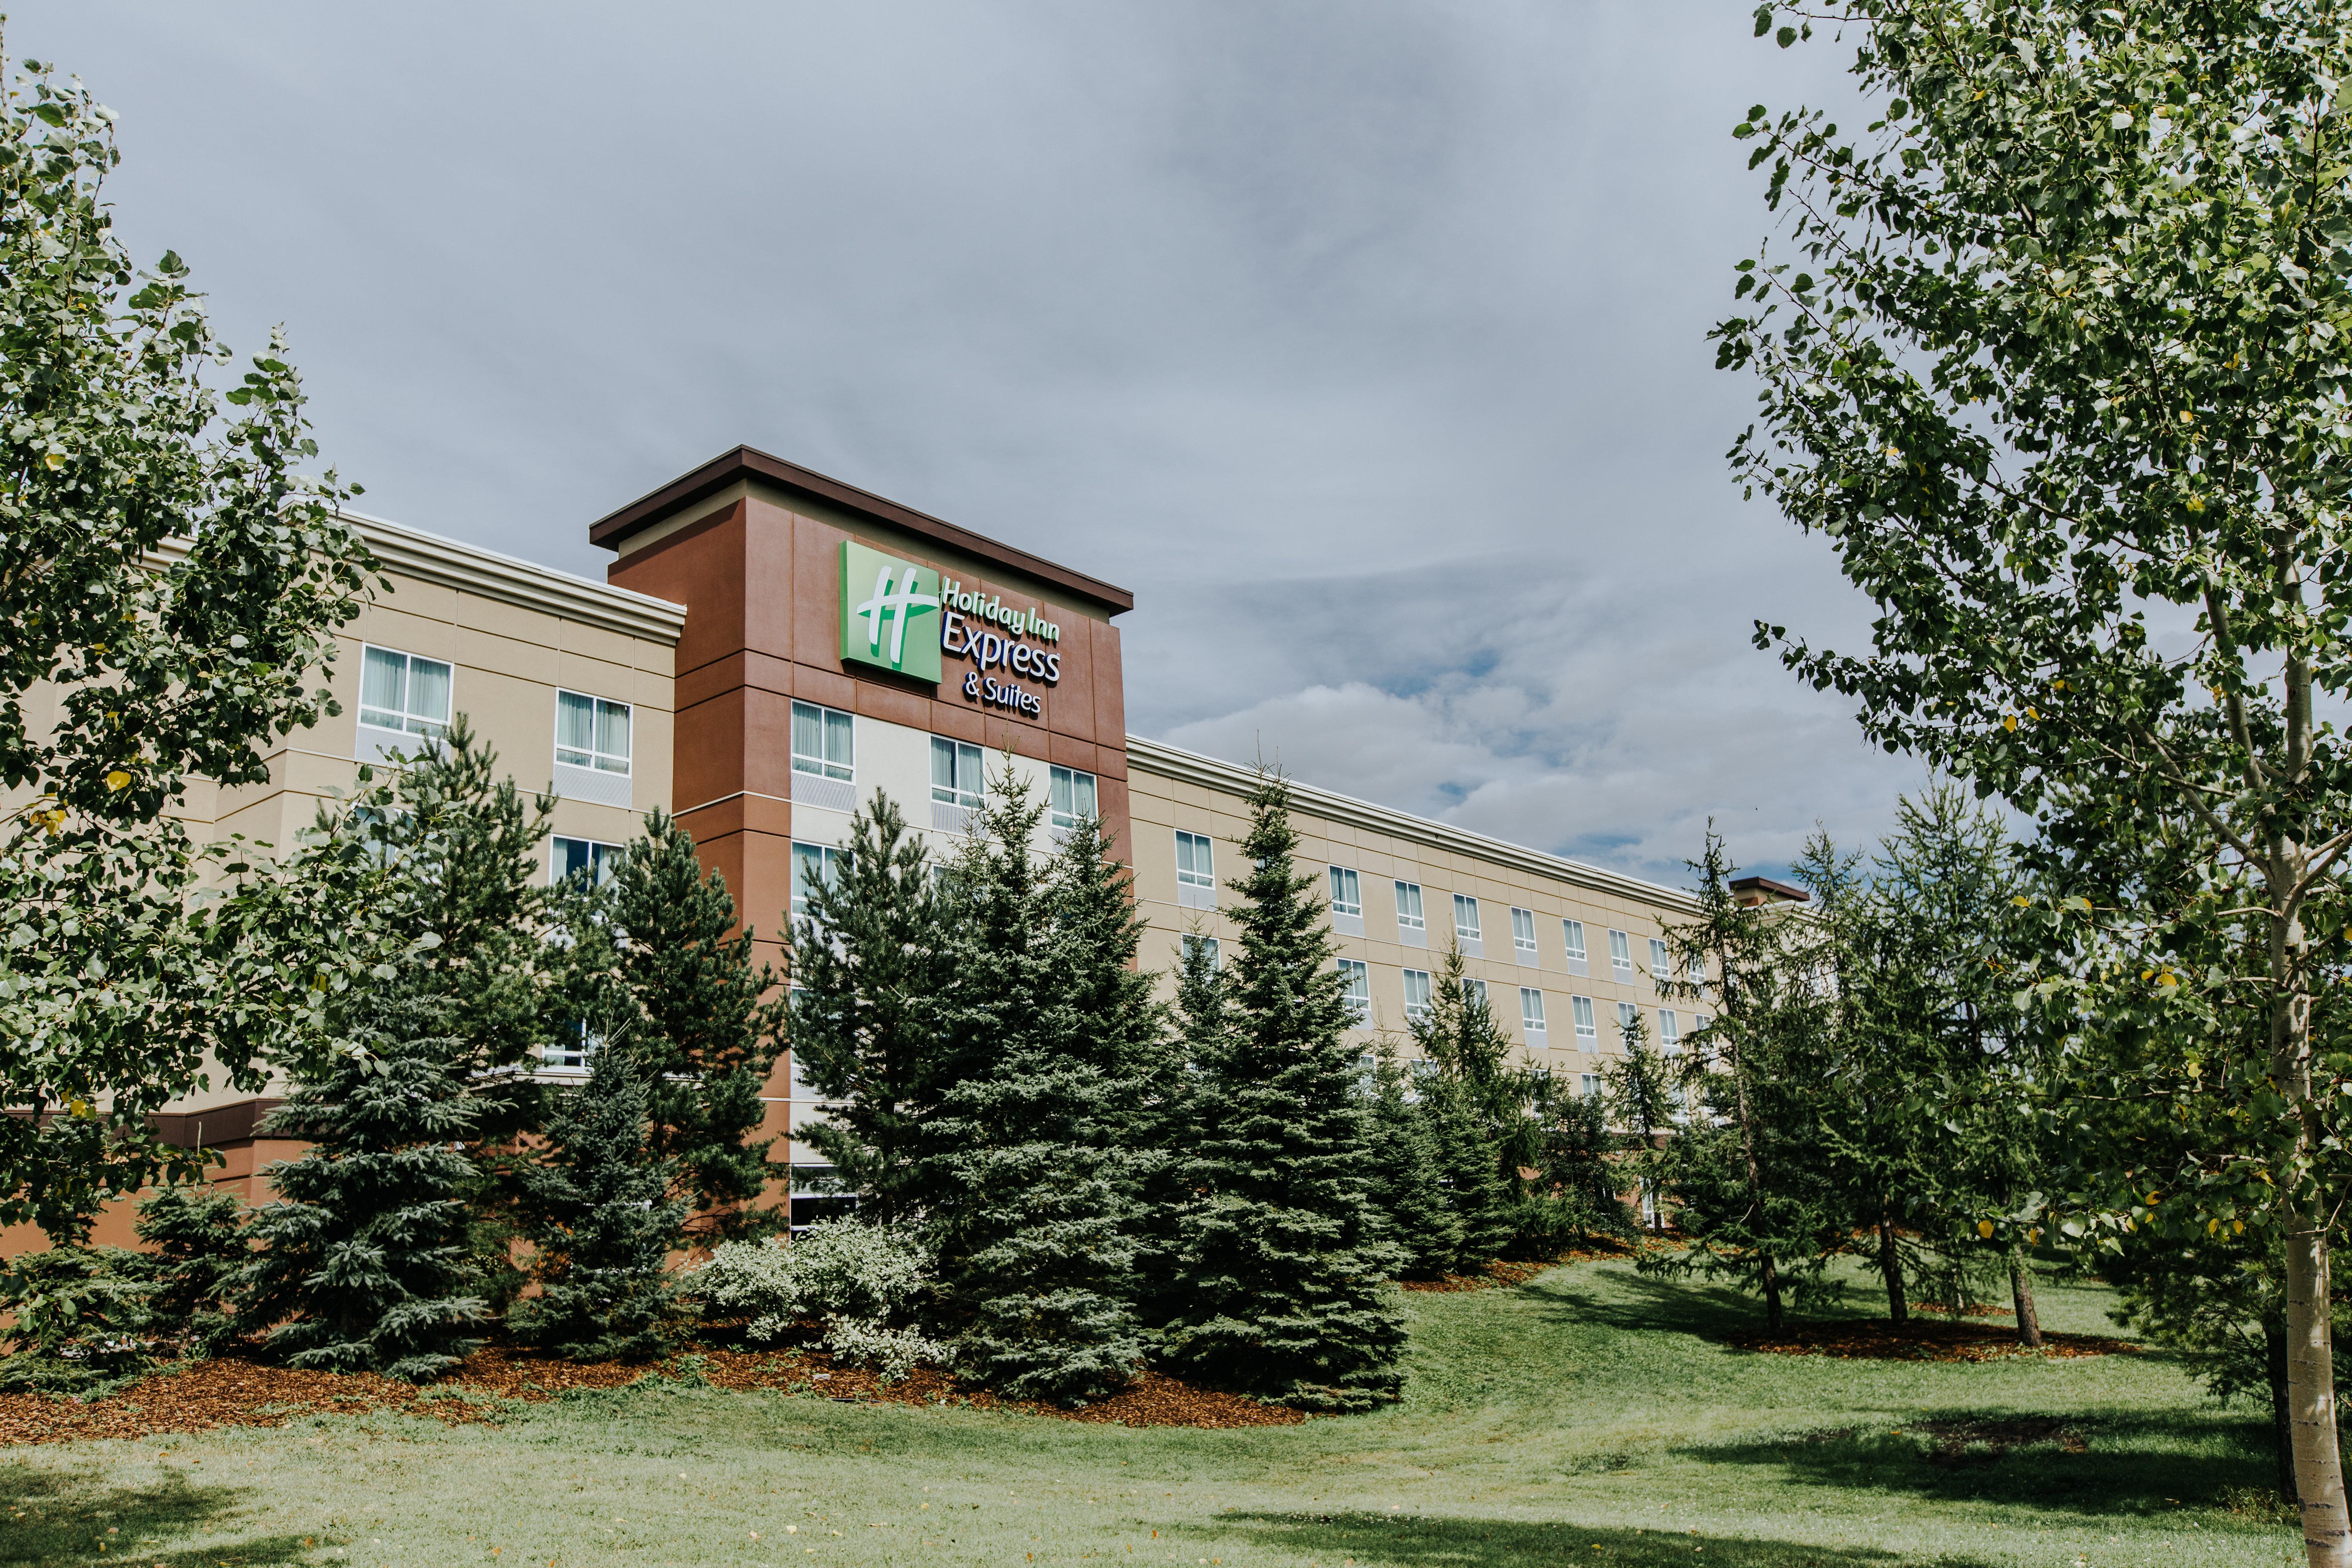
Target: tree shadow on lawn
67 1517
2089 1464
1676 1305
1370 1539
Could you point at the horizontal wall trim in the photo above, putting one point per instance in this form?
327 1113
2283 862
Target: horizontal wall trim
470 568
1229 778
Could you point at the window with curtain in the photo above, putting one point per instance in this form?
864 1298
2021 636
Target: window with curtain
402 692
956 773
1070 796
824 742
591 732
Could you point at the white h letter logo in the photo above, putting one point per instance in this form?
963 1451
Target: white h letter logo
898 606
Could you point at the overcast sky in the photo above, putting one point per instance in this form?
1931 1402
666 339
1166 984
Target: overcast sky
1365 343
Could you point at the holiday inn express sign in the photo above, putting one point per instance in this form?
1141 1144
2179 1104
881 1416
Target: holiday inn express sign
889 612
900 616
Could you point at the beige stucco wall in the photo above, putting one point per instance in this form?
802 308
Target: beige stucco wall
1171 790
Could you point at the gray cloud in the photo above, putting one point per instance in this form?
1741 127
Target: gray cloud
1366 342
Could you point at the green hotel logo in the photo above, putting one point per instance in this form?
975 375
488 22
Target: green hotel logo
889 612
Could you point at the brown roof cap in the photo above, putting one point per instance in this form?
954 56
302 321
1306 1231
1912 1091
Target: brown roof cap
1767 886
747 462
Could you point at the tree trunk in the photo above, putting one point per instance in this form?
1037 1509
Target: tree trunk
1890 1265
2310 1353
2311 1395
2282 1412
2021 1290
1769 1278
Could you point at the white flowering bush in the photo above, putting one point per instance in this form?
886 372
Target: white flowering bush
854 1279
865 1342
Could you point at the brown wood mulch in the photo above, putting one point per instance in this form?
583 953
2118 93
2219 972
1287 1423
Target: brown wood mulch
210 1394
1874 1339
1513 1271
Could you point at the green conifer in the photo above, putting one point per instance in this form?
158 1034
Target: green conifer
1283 1283
865 973
364 1264
1034 1172
461 854
1475 1102
197 1246
1408 1184
695 1027
603 1224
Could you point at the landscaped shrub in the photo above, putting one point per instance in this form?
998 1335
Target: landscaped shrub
79 1313
200 1244
603 1226
363 1264
850 1278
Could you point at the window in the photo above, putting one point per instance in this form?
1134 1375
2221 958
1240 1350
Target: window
1195 861
1204 946
1474 991
1698 969
1070 796
811 864
582 857
1465 918
571 1048
1416 994
1347 892
1522 933
1409 906
956 775
1591 1085
1588 1033
824 742
1661 968
1531 1018
1629 1018
591 732
1621 955
1670 1030
1574 932
1356 986
401 692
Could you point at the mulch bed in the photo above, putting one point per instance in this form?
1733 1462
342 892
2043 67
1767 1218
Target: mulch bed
210 1394
1503 1273
1874 1339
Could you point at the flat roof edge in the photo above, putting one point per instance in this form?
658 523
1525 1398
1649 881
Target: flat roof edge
469 568
1174 762
614 528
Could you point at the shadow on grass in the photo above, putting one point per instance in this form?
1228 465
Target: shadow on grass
1370 1539
1648 1303
83 1520
2091 1465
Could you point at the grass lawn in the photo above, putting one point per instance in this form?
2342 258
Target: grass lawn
1591 1416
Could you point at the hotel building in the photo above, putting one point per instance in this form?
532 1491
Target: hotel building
774 648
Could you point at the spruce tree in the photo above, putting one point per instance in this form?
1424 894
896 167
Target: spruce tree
696 1028
1283 1284
604 1222
864 1021
1476 1107
1034 1171
463 885
363 1261
1639 1100
1407 1183
198 1246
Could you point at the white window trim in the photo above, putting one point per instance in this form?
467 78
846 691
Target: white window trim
414 737
595 763
823 768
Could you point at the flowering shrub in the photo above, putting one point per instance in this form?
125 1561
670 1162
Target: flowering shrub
855 1278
